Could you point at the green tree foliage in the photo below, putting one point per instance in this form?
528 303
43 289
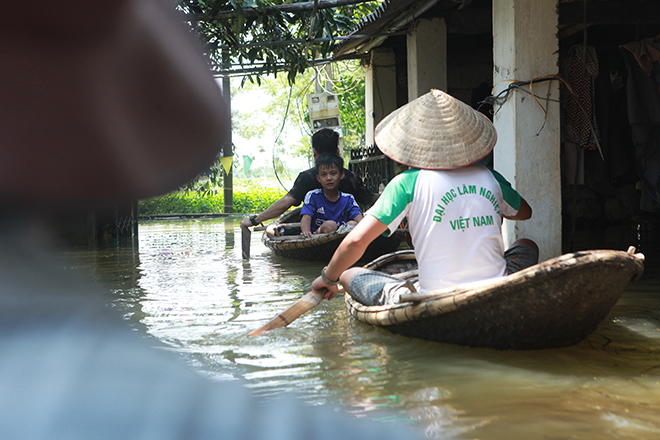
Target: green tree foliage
280 117
349 87
286 115
260 40
257 43
287 105
250 197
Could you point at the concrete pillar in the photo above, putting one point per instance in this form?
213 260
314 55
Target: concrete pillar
379 89
527 152
427 57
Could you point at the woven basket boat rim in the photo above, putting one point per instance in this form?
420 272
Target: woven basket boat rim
312 241
580 258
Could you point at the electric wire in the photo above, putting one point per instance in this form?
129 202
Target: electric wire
339 89
504 95
286 113
305 127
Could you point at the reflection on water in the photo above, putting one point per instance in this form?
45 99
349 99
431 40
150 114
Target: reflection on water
187 286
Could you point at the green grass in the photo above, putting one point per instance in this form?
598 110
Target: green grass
250 196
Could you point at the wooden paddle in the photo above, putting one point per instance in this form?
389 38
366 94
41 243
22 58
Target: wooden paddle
246 235
304 304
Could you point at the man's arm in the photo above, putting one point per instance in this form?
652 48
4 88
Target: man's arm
349 252
275 210
524 212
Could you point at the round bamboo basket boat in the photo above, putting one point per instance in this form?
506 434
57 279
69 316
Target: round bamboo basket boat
555 303
321 247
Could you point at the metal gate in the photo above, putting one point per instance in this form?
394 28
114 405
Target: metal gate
372 166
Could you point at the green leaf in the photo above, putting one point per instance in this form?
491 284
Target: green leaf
264 27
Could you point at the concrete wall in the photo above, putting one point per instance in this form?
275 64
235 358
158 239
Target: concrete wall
380 89
427 57
462 79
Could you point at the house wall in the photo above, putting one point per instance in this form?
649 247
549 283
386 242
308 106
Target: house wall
524 39
468 73
528 152
427 57
380 89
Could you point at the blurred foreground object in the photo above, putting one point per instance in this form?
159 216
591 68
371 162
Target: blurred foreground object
103 103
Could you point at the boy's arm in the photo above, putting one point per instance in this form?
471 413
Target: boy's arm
354 212
306 225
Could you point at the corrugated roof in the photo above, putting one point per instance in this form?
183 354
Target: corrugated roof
391 16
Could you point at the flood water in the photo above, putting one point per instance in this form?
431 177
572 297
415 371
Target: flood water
187 286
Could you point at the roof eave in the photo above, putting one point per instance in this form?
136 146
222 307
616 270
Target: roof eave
390 17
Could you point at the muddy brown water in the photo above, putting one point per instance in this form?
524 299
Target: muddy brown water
186 285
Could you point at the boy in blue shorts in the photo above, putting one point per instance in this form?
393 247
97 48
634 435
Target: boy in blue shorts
326 209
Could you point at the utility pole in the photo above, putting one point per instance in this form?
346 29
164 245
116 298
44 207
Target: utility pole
324 107
227 150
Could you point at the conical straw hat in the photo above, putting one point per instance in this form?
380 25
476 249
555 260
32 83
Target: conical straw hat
437 132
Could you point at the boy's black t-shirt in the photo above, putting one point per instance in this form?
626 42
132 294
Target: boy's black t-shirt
351 184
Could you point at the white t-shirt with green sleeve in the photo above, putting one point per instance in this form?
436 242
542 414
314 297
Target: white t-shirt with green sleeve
455 219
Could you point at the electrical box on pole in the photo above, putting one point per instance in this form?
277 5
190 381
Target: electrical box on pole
324 113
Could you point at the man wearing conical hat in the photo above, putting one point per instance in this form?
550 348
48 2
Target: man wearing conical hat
454 205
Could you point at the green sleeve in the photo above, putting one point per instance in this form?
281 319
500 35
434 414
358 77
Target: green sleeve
395 198
510 195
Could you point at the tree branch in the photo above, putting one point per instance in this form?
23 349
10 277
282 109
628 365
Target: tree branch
276 10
